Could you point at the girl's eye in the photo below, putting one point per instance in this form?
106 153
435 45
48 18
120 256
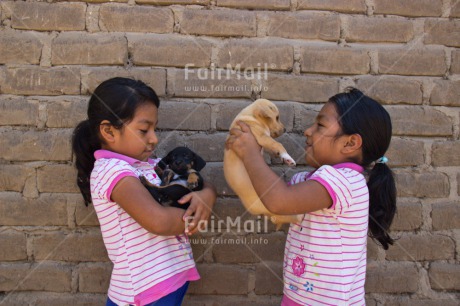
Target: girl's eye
143 131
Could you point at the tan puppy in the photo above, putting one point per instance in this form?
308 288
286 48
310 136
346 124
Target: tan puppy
262 116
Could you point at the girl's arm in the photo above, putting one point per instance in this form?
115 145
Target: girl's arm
275 194
134 198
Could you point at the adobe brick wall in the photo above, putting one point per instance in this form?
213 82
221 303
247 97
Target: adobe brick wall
54 53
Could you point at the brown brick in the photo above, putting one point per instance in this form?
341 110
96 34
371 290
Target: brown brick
304 25
18 111
168 2
185 116
48 16
257 4
299 88
13 246
221 279
426 184
391 90
350 6
85 215
378 29
155 78
94 277
423 62
424 121
69 246
335 60
444 276
408 216
406 152
446 216
30 145
442 32
259 55
392 278
65 112
402 301
445 93
225 214
455 10
269 278
421 248
202 84
373 249
89 49
48 209
13 177
170 50
44 276
218 22
57 178
208 146
20 48
226 112
415 8
34 80
55 299
125 18
458 183
213 172
442 153
455 65
230 248
304 117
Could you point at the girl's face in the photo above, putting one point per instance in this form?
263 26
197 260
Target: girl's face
137 138
323 145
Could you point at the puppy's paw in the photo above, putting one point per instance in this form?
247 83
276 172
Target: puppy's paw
192 181
287 159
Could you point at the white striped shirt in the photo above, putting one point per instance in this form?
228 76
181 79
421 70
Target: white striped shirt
325 254
146 266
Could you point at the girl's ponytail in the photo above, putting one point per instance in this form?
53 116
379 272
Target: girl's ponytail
382 203
84 143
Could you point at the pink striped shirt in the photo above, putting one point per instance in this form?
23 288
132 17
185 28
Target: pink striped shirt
146 266
325 253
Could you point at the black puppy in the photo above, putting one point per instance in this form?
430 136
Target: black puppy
179 172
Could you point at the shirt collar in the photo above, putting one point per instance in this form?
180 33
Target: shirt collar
110 154
352 166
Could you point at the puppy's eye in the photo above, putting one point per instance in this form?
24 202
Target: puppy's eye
277 118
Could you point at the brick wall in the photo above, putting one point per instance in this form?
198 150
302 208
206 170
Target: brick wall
53 53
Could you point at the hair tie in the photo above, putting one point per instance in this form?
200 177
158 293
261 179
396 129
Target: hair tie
382 160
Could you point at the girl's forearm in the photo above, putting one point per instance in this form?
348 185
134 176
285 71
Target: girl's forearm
269 187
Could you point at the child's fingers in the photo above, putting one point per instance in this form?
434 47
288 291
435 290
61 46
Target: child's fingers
192 227
185 199
244 127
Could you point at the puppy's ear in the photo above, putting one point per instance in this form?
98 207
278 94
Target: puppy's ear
165 161
261 112
265 112
199 162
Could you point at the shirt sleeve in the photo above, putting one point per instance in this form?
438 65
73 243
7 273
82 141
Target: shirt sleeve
107 175
337 185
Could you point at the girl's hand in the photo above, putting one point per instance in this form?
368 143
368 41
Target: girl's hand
242 141
201 203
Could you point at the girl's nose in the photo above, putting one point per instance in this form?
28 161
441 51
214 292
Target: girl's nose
153 138
307 132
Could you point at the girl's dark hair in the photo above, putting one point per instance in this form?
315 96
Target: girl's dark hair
115 100
359 114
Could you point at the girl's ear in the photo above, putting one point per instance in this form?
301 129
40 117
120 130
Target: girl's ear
353 143
107 131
